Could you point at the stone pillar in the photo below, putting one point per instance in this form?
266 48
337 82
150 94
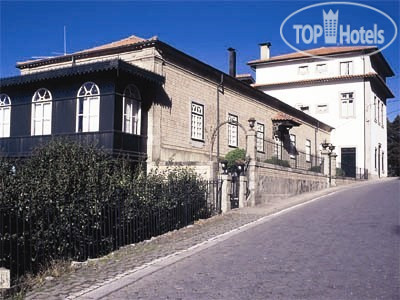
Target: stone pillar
333 168
325 166
226 192
242 191
251 152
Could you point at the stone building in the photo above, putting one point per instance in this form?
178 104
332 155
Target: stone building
147 99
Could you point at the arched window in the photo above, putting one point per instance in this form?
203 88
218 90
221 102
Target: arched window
41 112
131 110
88 108
5 115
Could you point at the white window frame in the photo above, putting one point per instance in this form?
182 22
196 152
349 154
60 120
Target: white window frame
197 121
321 68
308 150
292 146
322 108
233 130
260 137
42 105
131 110
90 92
376 102
302 70
278 148
346 68
347 101
5 115
382 119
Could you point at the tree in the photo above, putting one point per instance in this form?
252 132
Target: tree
393 146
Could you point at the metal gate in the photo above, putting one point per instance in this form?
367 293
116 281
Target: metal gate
235 189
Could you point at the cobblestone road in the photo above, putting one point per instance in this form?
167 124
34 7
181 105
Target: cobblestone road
345 246
97 273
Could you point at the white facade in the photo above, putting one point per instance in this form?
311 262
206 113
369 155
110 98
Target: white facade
343 92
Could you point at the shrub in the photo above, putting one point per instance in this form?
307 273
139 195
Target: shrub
234 156
276 161
71 199
340 172
315 169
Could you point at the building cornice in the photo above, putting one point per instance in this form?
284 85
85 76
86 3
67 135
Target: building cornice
369 76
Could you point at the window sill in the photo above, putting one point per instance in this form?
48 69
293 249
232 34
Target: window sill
197 140
231 146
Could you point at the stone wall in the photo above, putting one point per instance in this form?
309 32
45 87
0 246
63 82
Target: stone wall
275 182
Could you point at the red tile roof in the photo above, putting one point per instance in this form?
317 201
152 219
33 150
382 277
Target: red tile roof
280 116
131 40
323 51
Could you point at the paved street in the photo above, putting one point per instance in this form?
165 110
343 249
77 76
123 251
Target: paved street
343 246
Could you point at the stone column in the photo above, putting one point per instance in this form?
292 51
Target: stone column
242 191
251 152
226 192
214 168
333 168
325 166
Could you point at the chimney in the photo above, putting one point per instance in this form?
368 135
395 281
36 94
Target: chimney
265 50
232 62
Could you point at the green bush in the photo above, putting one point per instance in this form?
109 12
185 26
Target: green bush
315 169
234 156
69 198
340 172
276 161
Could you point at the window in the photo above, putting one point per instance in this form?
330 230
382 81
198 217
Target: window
322 68
197 121
375 109
379 108
88 108
308 150
347 105
292 146
383 162
382 119
41 112
322 108
131 110
278 148
232 130
303 70
375 157
346 68
5 115
260 137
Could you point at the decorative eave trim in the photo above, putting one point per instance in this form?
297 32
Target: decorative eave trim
114 64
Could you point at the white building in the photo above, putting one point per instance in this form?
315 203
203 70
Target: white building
344 87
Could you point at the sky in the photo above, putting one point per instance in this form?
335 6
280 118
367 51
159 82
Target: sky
202 29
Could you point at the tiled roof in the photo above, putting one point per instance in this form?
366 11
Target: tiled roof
313 52
280 116
132 40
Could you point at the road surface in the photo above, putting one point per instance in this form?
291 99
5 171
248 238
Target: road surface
343 246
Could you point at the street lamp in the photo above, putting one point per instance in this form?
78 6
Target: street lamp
329 147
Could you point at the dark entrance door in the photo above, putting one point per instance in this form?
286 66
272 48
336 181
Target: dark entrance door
235 191
349 161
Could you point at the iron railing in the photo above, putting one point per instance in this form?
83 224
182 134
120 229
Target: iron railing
111 227
351 171
287 155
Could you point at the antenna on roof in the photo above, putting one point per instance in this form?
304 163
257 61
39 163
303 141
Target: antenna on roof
65 40
56 53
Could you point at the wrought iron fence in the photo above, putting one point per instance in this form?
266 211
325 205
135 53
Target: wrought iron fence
351 171
107 229
287 155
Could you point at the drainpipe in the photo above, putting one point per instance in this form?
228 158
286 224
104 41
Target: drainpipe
365 113
220 87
